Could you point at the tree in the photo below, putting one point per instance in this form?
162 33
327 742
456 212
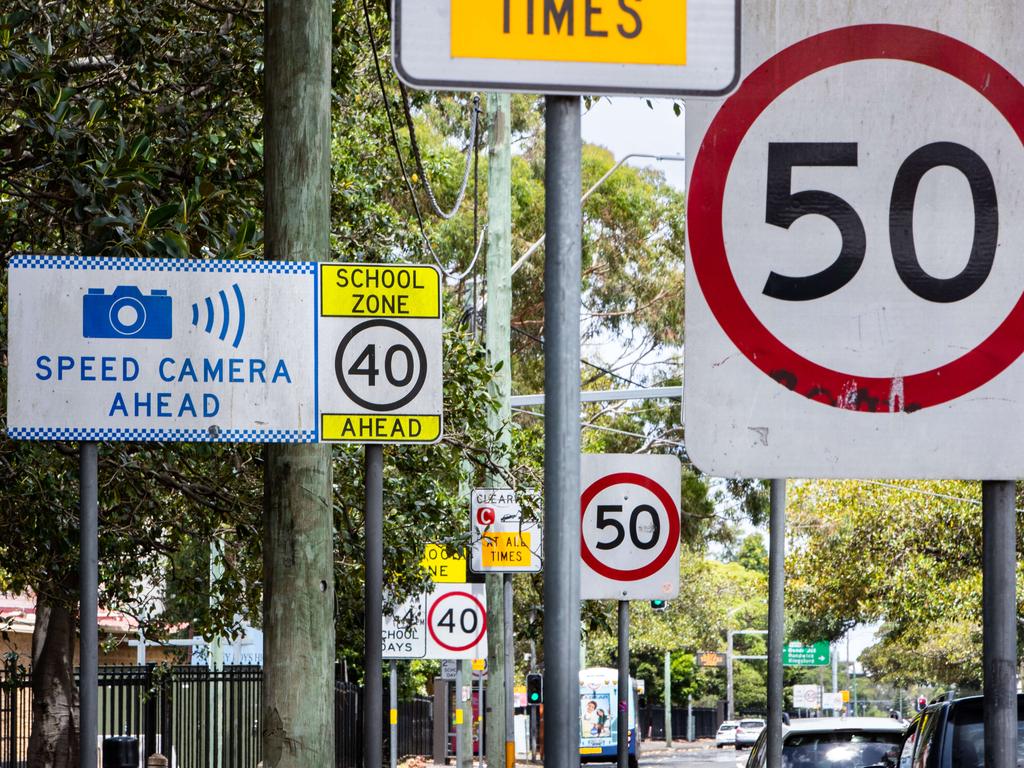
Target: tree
753 554
906 554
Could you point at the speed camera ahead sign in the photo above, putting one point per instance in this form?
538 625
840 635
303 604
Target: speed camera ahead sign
629 527
380 353
855 296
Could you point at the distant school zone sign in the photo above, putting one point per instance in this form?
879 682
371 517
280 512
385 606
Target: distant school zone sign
444 568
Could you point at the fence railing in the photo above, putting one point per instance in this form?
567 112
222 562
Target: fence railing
201 718
652 722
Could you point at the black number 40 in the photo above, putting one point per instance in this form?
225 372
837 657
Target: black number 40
784 206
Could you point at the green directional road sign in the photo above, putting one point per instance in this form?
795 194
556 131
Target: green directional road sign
799 655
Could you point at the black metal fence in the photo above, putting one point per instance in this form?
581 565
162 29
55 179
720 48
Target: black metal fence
200 718
705 722
15 716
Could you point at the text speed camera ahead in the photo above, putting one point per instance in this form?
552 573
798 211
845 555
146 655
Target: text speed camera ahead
629 527
854 291
380 351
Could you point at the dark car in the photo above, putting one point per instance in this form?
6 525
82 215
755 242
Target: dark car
951 734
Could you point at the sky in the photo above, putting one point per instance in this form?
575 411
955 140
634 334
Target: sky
626 125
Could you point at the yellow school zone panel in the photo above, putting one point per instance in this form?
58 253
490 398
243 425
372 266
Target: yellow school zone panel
371 428
505 548
444 568
379 290
479 665
594 31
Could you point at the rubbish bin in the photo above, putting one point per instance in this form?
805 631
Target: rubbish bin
120 752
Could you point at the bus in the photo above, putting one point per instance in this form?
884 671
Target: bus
599 703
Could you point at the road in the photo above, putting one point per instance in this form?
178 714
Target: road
691 756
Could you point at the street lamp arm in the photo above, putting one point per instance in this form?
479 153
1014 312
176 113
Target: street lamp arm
538 243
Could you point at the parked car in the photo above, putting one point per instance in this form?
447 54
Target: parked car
830 742
726 733
951 733
747 732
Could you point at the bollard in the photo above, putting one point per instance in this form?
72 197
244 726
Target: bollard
156 761
120 752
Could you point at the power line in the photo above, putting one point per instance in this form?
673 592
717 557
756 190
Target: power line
596 367
401 162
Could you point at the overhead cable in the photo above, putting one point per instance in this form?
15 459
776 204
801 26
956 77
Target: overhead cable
401 162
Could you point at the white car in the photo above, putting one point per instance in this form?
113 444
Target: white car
726 733
747 732
827 742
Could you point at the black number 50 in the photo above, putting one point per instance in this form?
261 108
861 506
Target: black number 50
783 207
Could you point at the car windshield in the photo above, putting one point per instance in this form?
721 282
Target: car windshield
969 735
840 750
751 724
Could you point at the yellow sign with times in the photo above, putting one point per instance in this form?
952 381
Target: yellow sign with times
506 549
593 31
379 290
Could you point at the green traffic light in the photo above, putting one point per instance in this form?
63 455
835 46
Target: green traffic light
534 696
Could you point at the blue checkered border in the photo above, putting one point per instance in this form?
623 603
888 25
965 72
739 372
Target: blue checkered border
117 263
165 435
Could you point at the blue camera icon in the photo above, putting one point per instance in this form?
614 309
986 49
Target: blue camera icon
126 313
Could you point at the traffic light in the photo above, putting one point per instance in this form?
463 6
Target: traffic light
534 689
658 605
922 702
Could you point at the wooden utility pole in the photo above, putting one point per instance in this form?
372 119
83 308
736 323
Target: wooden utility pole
497 339
298 562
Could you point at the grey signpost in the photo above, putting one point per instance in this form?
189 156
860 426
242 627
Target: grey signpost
88 578
776 618
622 736
999 621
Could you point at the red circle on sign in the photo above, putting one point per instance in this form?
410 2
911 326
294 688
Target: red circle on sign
483 621
707 239
632 574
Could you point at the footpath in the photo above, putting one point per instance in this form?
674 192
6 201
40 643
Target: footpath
654 748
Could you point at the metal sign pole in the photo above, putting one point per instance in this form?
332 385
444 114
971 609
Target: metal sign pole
393 694
776 618
510 669
999 617
624 692
562 183
373 713
668 699
88 580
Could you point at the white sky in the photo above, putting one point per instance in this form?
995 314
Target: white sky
626 125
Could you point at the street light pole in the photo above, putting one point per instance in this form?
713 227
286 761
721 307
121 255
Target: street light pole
539 242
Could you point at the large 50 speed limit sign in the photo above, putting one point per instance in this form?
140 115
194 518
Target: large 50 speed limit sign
855 294
629 527
380 353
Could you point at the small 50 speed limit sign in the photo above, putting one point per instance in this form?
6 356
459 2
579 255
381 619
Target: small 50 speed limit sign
380 353
855 291
629 527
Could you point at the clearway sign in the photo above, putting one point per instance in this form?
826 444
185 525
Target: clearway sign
669 47
161 349
855 296
502 541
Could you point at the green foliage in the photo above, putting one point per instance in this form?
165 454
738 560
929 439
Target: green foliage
753 554
907 554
